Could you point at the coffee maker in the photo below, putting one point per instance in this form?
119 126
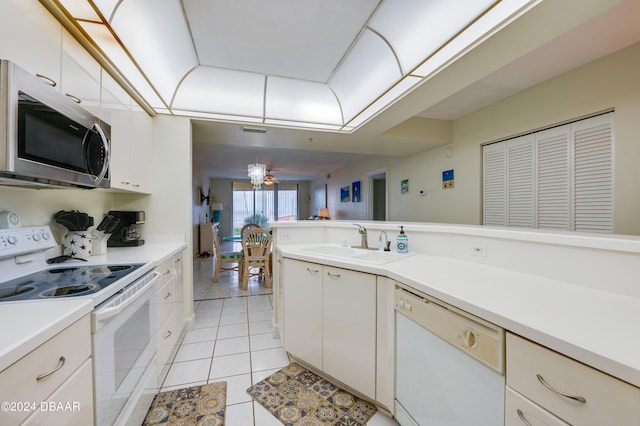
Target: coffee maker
125 234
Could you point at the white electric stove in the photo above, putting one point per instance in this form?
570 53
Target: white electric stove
123 321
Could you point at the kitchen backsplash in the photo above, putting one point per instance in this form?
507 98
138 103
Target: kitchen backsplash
37 206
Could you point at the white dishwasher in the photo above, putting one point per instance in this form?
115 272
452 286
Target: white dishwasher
449 364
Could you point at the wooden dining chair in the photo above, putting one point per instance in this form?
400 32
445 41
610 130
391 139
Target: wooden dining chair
256 247
247 227
225 261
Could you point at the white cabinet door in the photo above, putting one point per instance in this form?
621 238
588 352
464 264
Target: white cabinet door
80 79
303 311
71 404
330 321
178 317
141 146
349 328
115 109
31 38
131 138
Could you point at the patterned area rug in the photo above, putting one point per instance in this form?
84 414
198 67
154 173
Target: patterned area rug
197 405
299 397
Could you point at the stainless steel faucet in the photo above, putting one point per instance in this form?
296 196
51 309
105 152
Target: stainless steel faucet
387 243
363 236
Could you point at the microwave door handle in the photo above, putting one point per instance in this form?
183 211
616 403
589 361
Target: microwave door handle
107 154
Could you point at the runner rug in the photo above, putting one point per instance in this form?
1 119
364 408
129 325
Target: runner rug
299 397
196 405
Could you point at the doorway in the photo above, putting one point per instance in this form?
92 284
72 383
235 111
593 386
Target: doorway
378 195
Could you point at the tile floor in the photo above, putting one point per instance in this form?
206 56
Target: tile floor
232 341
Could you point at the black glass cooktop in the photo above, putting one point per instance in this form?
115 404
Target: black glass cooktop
67 281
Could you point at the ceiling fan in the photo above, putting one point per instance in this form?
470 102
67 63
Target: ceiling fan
269 179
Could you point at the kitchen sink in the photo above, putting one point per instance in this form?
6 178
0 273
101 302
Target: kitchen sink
380 257
357 254
333 251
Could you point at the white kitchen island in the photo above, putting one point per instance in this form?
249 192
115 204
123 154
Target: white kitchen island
576 294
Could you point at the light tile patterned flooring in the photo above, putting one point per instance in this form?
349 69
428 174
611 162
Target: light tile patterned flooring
232 341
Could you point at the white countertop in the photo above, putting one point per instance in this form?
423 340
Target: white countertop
28 324
589 325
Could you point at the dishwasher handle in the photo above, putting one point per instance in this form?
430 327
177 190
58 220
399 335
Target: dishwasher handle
477 337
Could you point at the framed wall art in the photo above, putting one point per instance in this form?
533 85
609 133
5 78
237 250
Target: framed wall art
344 194
404 186
355 192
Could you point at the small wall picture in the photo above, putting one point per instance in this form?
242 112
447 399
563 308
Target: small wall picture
355 192
447 179
404 186
344 194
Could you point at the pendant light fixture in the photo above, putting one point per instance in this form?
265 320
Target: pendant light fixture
257 172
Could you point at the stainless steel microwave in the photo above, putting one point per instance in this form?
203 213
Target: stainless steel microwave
47 139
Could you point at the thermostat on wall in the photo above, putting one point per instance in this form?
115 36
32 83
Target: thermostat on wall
9 220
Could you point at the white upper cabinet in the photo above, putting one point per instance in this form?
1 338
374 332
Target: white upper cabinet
80 79
31 38
141 146
35 41
131 129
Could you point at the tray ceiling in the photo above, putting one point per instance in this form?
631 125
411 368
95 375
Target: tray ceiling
313 64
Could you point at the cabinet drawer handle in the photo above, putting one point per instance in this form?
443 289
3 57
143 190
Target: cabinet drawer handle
313 271
333 275
61 363
168 295
47 80
559 392
73 98
167 334
522 418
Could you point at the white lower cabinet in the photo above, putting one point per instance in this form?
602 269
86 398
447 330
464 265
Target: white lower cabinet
71 404
349 328
58 371
573 392
303 311
520 411
330 321
169 313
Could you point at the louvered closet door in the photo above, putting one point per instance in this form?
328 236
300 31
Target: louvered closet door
494 184
553 177
520 182
593 174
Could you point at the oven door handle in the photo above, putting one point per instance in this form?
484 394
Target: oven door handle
115 310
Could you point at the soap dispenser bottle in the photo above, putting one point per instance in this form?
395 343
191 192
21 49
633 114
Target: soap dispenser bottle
402 242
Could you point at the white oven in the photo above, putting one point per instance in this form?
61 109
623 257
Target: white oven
124 349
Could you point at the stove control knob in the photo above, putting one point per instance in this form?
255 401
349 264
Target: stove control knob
45 236
12 239
36 237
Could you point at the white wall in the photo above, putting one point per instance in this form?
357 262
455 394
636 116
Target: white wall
610 82
37 206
